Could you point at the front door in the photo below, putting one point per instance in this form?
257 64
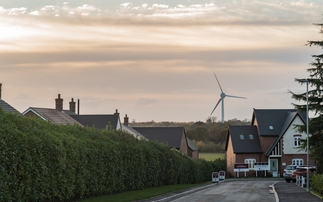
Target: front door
273 165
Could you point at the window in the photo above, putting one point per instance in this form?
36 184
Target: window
250 136
241 137
271 127
251 162
297 142
297 162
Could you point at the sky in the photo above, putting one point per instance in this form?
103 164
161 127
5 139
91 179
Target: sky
156 59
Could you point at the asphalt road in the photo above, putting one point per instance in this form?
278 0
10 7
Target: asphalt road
290 192
233 191
240 190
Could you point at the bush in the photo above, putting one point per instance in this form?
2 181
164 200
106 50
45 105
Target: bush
41 161
317 183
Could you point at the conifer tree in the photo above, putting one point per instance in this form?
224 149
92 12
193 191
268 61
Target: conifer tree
315 102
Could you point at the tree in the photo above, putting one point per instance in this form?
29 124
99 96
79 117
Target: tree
315 102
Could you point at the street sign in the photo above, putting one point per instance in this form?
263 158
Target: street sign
215 177
241 167
261 166
221 175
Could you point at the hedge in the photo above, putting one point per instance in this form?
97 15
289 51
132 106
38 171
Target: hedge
317 183
41 161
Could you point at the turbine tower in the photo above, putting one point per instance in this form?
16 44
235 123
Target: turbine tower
223 95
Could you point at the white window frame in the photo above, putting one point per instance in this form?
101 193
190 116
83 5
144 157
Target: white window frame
297 140
251 162
297 162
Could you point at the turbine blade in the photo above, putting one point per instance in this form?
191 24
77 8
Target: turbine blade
218 82
216 106
236 96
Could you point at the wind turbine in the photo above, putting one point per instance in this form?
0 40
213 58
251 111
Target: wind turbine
223 95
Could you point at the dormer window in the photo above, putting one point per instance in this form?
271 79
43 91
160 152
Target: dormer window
271 127
241 137
251 136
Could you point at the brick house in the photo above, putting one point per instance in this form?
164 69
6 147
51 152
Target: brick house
271 137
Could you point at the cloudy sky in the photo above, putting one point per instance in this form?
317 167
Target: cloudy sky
155 59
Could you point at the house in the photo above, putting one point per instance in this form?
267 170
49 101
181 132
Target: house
271 137
69 117
5 106
130 130
174 137
100 121
56 116
193 150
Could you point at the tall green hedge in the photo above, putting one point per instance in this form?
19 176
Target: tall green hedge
41 161
317 183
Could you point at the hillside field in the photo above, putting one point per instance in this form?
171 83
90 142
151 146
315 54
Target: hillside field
211 156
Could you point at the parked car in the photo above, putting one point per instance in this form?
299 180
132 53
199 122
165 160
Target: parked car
288 171
302 170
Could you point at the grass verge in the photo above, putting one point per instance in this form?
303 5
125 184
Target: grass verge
141 194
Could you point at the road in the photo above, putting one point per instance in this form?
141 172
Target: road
233 191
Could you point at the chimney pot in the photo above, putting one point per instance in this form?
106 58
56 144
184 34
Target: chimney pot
0 90
59 103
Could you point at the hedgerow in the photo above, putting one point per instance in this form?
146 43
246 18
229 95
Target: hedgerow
41 161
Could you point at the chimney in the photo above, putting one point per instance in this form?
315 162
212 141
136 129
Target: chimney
59 103
116 113
126 120
0 90
78 106
72 105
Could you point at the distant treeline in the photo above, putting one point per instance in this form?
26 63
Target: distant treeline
208 136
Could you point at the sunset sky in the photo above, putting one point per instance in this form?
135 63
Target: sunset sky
155 59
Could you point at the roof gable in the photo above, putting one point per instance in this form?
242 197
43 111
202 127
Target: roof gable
133 132
7 107
271 121
99 121
168 135
191 145
53 115
245 139
288 123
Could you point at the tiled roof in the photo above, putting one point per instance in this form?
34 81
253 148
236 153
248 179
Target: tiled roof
167 135
245 139
99 121
191 145
132 131
7 108
53 115
271 121
69 112
290 118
